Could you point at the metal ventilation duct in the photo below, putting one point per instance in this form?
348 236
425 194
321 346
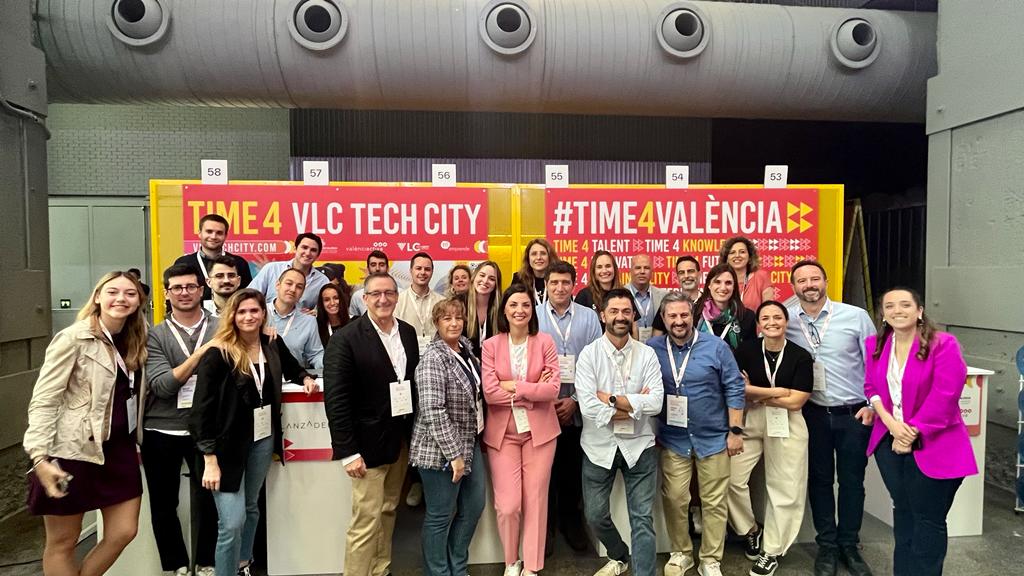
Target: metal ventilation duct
624 57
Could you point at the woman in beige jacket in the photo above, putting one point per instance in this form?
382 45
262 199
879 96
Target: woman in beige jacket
81 427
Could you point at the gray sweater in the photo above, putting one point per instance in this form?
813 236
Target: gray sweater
161 410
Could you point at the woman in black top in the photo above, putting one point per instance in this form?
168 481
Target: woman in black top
236 421
331 311
482 301
537 258
780 376
720 311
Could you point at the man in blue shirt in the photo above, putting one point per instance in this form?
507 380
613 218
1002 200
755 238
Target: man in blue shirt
572 327
838 416
307 249
298 330
700 426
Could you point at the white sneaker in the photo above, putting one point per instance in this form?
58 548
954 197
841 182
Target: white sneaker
415 495
710 569
612 568
183 571
678 564
528 573
514 569
205 571
698 519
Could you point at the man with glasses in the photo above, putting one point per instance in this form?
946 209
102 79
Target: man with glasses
376 263
369 393
222 282
175 347
838 415
213 231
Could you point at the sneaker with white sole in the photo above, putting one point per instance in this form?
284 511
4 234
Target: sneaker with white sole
415 496
698 519
765 565
709 569
678 564
612 568
206 571
514 569
183 571
752 544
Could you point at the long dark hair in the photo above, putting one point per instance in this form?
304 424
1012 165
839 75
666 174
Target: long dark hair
735 303
926 329
323 319
526 274
517 288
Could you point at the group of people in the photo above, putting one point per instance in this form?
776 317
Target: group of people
542 395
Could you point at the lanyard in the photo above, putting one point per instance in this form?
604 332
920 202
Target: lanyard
568 329
469 370
199 258
725 331
643 311
288 326
677 376
118 358
258 374
181 342
821 333
778 362
483 330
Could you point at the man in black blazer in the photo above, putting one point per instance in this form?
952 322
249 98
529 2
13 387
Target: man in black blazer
370 395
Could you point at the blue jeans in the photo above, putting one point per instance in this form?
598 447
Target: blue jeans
641 483
238 512
453 510
919 508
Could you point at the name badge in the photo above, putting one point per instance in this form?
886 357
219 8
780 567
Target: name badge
624 427
777 422
424 342
677 411
187 392
401 398
819 376
567 368
260 423
479 416
522 422
645 333
133 414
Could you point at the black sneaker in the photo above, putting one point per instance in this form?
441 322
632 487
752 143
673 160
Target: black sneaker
245 571
752 545
855 564
765 565
827 561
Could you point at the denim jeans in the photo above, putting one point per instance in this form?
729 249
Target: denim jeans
919 508
836 448
238 512
641 484
453 510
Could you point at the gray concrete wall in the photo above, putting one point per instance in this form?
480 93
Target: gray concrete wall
107 150
975 261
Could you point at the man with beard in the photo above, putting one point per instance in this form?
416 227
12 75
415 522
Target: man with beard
224 280
618 385
688 277
700 428
308 247
838 415
213 231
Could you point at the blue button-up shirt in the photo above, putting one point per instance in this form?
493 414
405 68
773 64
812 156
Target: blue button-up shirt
841 349
266 282
300 335
712 384
581 326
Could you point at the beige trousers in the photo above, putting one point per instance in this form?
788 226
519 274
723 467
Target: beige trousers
785 470
713 483
374 501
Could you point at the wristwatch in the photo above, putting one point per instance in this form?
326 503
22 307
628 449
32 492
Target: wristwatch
611 401
737 430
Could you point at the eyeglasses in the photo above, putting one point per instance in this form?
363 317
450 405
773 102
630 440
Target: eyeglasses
224 276
815 339
389 294
178 289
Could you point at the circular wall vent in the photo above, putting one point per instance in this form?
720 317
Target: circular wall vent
138 22
317 24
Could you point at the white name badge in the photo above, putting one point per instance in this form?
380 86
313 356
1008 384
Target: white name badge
401 398
260 423
133 414
424 341
645 333
819 376
677 411
522 422
777 422
187 392
479 416
567 368
625 427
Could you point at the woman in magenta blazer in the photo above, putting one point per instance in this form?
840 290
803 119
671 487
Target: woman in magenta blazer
520 378
913 379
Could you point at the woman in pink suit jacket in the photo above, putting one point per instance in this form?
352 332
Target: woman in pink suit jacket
520 380
913 379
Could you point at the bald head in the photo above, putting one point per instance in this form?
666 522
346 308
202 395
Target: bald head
640 271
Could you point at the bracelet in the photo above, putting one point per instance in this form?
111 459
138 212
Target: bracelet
35 464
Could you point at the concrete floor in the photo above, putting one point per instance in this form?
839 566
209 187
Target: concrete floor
999 552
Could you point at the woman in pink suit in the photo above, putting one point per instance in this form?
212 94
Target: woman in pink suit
913 379
520 377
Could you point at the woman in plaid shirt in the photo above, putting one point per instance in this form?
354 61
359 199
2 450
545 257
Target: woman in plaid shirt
445 442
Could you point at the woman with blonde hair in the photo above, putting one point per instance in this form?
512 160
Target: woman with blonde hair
236 421
482 304
81 427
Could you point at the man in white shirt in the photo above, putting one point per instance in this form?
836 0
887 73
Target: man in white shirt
647 297
620 392
376 263
416 303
